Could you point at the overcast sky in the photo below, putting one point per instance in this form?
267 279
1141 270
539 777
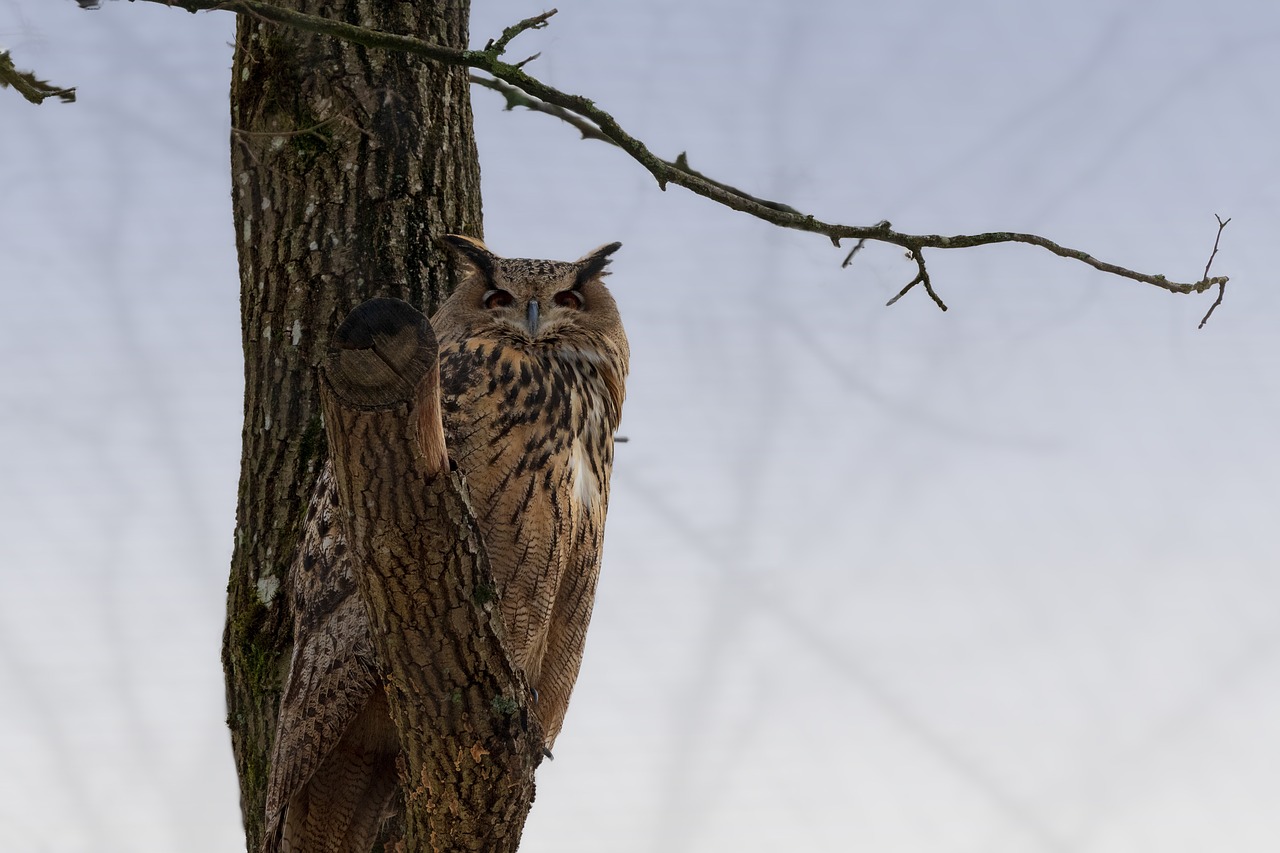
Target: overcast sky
1004 579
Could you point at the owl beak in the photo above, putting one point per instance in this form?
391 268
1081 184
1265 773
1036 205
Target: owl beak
533 317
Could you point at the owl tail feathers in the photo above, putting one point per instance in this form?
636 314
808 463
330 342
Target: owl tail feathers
342 808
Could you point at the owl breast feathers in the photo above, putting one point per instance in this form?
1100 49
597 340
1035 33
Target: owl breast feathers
533 360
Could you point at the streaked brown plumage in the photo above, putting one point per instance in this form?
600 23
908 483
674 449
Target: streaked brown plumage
533 362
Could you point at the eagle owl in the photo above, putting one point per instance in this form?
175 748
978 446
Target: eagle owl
533 361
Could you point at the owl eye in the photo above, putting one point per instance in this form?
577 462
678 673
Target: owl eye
498 299
569 299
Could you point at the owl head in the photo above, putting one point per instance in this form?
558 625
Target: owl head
532 303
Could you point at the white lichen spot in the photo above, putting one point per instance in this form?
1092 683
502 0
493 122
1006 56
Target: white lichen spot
266 334
242 178
266 204
248 228
585 488
314 245
297 332
244 73
268 586
311 209
277 142
266 422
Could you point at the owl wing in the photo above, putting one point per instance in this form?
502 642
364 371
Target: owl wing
534 437
493 417
332 674
567 634
579 506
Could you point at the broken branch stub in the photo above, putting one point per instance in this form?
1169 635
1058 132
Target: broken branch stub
459 703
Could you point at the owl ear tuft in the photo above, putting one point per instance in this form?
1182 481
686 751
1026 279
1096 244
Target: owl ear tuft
472 252
592 264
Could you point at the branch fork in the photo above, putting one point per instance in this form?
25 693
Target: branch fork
498 46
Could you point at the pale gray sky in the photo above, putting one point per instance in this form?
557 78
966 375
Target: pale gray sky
1003 579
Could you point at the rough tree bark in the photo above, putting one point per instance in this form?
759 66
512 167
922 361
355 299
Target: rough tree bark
457 699
345 162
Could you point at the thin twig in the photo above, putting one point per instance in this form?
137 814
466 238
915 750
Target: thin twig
288 133
848 259
666 172
242 136
682 163
29 85
1221 225
499 46
517 98
1222 285
922 277
857 247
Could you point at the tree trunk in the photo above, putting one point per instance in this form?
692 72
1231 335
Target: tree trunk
345 164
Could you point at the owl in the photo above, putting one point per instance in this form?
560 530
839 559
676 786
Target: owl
533 361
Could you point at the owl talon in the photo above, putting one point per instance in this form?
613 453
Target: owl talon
548 754
534 691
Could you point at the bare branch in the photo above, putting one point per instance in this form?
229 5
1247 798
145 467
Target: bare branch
499 46
28 85
517 98
586 114
1222 285
848 259
1222 223
922 277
